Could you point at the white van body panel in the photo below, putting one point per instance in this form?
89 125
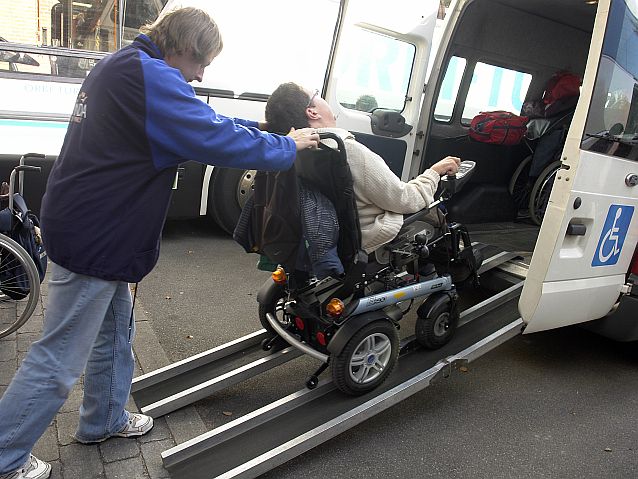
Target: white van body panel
574 278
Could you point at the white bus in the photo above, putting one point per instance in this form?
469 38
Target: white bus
371 60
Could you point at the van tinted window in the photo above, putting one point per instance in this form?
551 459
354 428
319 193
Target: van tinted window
450 89
374 76
495 88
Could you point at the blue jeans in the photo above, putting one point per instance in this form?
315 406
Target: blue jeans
88 327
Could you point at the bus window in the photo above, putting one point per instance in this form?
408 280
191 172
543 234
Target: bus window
495 88
376 76
614 106
449 89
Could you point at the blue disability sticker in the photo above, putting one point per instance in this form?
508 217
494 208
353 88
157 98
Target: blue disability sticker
613 235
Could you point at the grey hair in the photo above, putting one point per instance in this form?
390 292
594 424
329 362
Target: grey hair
186 31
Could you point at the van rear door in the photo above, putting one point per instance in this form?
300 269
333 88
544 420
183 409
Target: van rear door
590 228
377 74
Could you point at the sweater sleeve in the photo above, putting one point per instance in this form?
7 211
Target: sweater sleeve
181 127
383 188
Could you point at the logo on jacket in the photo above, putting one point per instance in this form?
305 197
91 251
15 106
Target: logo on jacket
79 111
613 235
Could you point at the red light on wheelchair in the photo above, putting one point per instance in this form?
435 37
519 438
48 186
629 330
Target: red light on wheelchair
321 338
299 323
279 275
335 307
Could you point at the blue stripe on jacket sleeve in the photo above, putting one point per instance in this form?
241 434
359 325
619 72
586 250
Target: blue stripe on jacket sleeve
181 127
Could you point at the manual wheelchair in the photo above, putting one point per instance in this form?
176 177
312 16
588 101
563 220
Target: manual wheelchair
350 321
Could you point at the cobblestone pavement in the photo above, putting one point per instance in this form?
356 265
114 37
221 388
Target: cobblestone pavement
117 457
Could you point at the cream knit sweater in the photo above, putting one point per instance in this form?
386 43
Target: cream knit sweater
382 198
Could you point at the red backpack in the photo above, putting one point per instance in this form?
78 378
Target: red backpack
561 85
498 127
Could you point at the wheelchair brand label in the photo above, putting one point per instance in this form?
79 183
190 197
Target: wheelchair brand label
613 235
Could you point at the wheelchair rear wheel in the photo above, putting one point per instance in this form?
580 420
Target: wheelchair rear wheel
367 359
19 286
539 197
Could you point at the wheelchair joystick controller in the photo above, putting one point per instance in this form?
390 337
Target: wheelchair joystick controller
453 183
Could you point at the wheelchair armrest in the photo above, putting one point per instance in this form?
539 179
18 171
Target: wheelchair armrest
409 219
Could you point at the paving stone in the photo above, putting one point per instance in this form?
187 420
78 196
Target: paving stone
21 356
8 350
7 371
9 337
67 424
73 402
152 453
185 424
119 448
127 469
33 325
47 446
56 470
25 340
159 432
81 461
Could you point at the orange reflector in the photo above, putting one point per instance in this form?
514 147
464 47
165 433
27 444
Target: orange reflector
321 338
279 275
335 307
299 323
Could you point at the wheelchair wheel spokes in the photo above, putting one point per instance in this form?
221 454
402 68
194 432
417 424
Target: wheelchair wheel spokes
371 358
539 197
367 358
19 286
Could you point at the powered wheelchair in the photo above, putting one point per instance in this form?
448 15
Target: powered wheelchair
349 320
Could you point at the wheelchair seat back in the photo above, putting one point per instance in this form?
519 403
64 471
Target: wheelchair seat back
326 170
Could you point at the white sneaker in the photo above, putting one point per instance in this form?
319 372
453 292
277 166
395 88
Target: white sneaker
34 468
137 425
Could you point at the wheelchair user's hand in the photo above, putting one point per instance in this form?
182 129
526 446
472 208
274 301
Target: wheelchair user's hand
447 166
304 138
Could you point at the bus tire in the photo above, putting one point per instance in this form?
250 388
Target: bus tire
228 192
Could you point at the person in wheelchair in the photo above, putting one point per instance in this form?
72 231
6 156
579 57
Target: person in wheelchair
382 198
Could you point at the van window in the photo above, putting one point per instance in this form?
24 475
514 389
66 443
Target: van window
495 88
373 71
450 89
612 122
268 43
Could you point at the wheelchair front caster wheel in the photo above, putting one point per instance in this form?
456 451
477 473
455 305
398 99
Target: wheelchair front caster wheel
437 327
312 382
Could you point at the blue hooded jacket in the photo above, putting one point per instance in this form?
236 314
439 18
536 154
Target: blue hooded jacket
134 121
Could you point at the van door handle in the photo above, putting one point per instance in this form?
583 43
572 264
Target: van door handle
575 229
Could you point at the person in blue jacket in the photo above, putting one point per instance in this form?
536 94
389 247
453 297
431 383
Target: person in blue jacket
136 118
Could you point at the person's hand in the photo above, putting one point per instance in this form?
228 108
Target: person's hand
447 166
304 138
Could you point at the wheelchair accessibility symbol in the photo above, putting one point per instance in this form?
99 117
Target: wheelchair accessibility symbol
613 235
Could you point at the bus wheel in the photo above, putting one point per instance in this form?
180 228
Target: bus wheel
228 192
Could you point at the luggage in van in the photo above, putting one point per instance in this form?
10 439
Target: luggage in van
498 127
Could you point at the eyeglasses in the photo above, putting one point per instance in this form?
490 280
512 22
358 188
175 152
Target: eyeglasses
312 98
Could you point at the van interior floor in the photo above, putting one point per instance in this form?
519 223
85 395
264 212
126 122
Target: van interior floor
515 237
